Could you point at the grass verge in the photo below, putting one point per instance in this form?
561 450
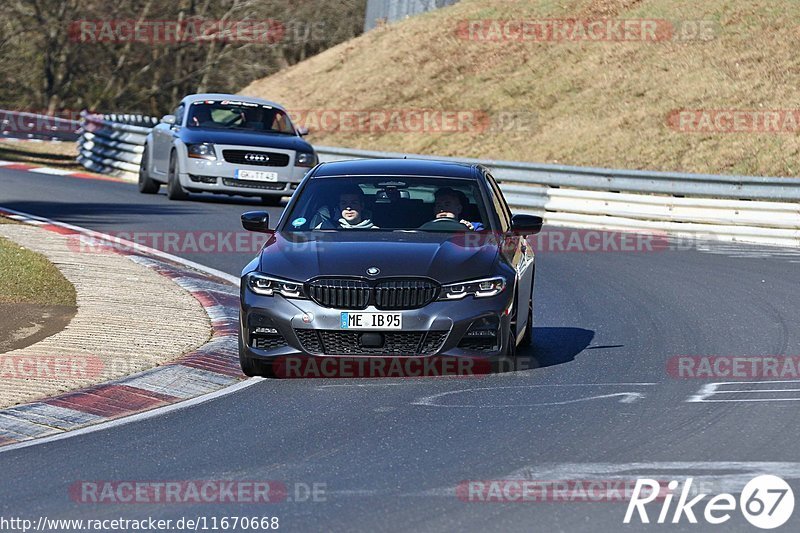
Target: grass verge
52 154
29 278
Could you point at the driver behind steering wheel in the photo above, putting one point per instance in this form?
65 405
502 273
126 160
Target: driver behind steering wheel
449 203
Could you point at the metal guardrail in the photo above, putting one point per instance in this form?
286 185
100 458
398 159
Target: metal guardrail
736 208
24 125
515 174
113 143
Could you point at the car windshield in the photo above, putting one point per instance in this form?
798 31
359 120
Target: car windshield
228 114
389 204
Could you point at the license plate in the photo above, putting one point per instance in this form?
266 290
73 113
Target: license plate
372 321
255 175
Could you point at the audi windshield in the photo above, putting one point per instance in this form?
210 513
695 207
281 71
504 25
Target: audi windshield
239 116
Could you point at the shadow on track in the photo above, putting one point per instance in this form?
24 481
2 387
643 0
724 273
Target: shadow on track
232 200
99 212
556 346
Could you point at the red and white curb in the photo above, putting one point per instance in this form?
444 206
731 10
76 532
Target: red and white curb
13 165
204 371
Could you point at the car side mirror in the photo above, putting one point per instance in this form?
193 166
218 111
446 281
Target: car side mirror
168 119
526 224
302 132
256 221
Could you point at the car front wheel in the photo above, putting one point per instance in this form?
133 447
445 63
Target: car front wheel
174 189
527 338
147 185
511 348
252 367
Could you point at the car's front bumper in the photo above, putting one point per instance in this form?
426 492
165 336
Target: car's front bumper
219 176
292 318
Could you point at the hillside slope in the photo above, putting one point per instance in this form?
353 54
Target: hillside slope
576 101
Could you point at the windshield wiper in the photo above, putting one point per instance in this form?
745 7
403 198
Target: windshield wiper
260 131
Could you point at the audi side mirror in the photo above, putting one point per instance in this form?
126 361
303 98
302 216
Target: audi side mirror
256 221
168 119
302 132
526 224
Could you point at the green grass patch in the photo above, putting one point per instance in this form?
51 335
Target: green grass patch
28 277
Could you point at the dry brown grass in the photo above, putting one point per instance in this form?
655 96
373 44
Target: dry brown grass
598 104
52 154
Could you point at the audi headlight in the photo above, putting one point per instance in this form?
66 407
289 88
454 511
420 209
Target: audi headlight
269 286
202 151
306 159
479 288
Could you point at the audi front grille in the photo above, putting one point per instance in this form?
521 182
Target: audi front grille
261 159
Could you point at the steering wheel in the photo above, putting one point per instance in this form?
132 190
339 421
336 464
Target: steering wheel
233 120
443 224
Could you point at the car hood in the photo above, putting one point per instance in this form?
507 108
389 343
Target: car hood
445 257
244 138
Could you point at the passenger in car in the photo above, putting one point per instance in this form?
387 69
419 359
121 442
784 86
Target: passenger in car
450 203
352 209
201 116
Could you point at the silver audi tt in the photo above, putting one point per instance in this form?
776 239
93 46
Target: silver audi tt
226 144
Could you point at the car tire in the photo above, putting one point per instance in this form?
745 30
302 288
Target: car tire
147 185
174 189
271 200
527 338
511 349
249 367
252 367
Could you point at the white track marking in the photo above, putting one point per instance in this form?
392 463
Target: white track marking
52 171
708 477
710 392
428 381
627 397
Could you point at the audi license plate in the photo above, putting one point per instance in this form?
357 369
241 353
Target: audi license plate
255 175
372 321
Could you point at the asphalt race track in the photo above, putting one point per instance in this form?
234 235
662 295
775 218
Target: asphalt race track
390 454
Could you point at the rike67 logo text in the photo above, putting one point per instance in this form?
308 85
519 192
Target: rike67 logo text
767 502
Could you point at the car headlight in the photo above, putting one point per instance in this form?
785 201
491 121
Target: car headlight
479 288
268 286
305 159
202 151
